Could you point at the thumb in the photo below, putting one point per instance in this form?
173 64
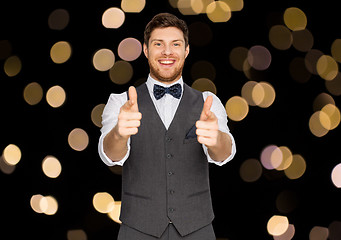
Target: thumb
205 114
133 99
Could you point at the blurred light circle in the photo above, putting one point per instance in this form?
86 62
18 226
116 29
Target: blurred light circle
55 96
333 114
49 205
295 19
315 124
204 84
311 59
336 50
76 234
58 19
235 5
35 203
334 230
33 93
237 108
250 170
259 57
115 213
5 167
334 86
237 57
192 7
5 49
247 91
218 11
322 100
133 6
319 233
303 40
269 95
103 202
286 159
129 49
277 225
103 59
96 115
203 69
297 167
12 66
271 157
336 176
78 139
12 154
280 37
113 18
51 167
121 72
287 235
327 67
60 52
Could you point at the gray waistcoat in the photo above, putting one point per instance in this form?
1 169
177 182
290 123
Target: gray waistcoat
166 175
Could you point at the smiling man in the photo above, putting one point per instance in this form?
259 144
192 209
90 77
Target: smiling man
164 134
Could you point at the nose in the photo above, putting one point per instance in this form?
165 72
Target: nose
167 50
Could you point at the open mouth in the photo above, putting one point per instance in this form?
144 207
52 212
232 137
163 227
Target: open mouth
167 62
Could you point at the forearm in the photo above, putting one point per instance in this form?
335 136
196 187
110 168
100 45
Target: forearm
115 146
222 149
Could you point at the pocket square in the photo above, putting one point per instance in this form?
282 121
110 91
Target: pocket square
191 133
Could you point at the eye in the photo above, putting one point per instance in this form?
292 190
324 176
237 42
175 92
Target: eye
157 44
177 44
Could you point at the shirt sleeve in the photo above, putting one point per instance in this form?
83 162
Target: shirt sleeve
109 121
219 110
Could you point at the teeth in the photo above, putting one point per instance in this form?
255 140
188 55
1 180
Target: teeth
166 62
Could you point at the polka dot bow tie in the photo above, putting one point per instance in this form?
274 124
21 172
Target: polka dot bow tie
160 91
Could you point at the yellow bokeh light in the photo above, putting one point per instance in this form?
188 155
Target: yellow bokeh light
237 57
271 157
258 94
336 50
129 49
204 84
58 19
237 108
121 72
235 5
33 93
103 202
96 115
303 40
280 37
115 213
295 19
327 67
269 95
247 91
78 139
76 234
55 96
336 176
277 225
218 11
51 167
5 167
60 52
113 18
297 167
333 114
311 59
12 66
35 203
133 6
322 100
315 124
286 158
190 7
103 59
288 235
12 154
334 86
319 233
49 205
250 170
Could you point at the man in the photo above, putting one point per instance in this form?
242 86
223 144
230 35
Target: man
164 134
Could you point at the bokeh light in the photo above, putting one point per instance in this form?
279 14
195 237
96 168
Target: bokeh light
133 6
250 170
235 5
204 84
334 86
286 158
303 40
336 50
5 49
218 11
327 67
48 205
203 69
115 213
78 139
58 19
12 154
103 202
334 230
315 125
35 203
121 72
336 175
259 57
237 108
5 167
280 37
297 168
55 96
96 115
76 234
103 59
113 18
322 100
129 49
318 233
271 157
277 225
311 59
295 19
51 167
33 93
287 235
237 57
12 66
60 52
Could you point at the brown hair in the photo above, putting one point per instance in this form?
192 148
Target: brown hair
163 20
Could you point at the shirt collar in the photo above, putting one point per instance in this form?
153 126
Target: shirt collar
151 81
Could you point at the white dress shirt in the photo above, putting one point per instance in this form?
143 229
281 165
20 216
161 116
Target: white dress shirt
166 108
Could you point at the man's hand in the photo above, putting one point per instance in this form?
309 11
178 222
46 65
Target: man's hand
207 126
129 116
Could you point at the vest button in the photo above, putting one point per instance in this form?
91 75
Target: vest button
170 173
171 210
168 139
169 155
171 191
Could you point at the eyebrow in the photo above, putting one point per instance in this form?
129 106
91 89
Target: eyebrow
161 40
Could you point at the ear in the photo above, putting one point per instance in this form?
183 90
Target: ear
145 50
187 51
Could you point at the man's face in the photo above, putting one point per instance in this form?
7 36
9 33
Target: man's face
166 54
